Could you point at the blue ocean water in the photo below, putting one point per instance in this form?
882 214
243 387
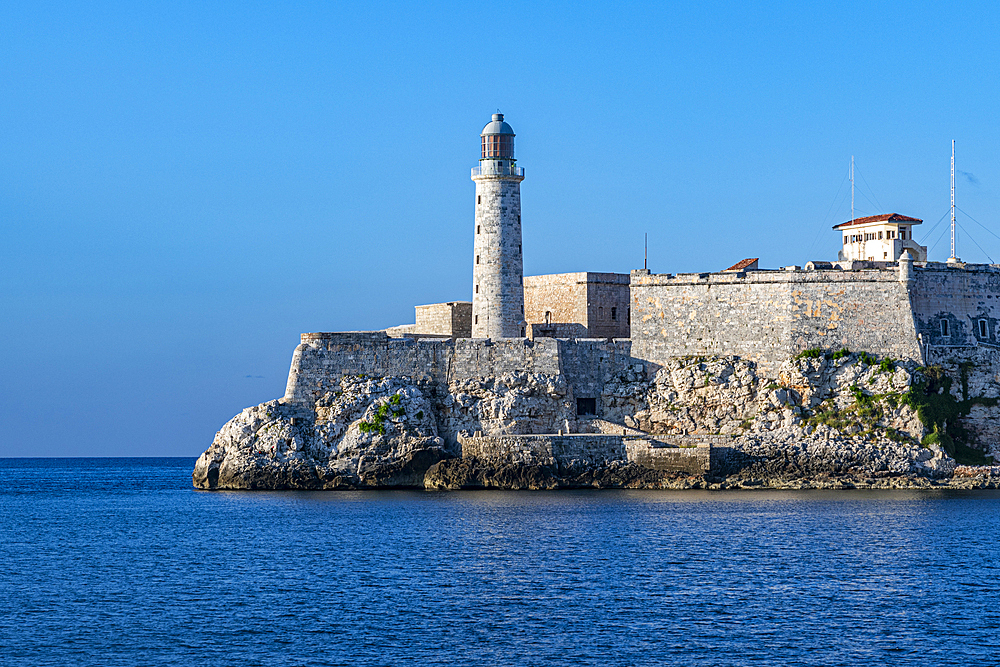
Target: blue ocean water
121 562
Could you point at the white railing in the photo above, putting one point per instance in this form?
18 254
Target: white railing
498 171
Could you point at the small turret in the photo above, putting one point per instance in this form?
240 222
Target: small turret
906 269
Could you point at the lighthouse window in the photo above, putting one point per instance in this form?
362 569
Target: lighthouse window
984 330
944 328
477 259
475 319
477 289
479 199
477 229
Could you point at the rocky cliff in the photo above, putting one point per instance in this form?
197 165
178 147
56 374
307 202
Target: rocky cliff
825 419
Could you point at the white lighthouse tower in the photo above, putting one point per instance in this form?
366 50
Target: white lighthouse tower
497 271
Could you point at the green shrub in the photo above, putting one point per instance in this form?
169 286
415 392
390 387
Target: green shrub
840 354
967 456
887 366
866 359
395 399
939 411
811 353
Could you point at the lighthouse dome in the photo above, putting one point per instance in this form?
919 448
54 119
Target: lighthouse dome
497 126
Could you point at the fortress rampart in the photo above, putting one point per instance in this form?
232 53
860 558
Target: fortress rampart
917 314
323 358
768 316
966 296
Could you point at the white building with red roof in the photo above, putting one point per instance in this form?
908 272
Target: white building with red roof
880 238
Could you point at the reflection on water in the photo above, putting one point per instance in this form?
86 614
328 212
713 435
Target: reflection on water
115 562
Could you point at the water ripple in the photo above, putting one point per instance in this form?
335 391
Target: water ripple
120 562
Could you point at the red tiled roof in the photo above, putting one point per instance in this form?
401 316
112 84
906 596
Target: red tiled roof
743 264
885 217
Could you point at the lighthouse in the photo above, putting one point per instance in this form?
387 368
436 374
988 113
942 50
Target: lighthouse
497 270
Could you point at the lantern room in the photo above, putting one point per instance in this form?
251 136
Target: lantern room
498 140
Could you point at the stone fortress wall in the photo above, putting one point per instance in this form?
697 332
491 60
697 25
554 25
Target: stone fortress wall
563 298
577 305
966 296
452 319
768 316
762 316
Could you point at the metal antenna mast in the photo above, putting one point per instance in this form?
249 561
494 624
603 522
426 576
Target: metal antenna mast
645 250
953 257
852 188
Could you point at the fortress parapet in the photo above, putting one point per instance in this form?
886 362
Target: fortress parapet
889 309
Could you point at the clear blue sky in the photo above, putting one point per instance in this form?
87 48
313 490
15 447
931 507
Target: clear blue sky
188 186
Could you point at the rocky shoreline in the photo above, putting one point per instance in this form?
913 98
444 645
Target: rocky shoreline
843 421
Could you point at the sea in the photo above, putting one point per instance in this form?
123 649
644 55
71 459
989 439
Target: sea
107 561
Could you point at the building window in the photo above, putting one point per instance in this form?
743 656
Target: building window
880 236
628 315
984 329
885 255
477 259
614 314
479 199
477 229
902 235
845 240
600 313
548 317
475 319
518 248
586 406
477 289
944 328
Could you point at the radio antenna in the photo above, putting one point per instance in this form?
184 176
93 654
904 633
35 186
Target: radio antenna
852 188
953 257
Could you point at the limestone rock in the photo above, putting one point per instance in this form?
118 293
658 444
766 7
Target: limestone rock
820 419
